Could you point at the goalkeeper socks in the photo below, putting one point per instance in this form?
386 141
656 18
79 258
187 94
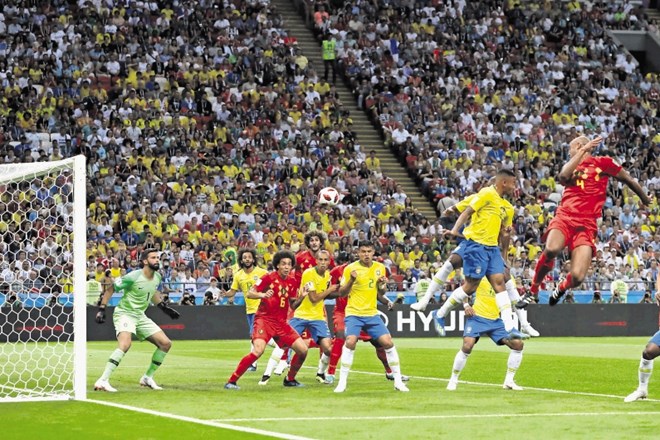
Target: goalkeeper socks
242 367
454 300
459 363
113 362
393 360
382 356
156 360
645 371
512 365
504 306
335 354
296 363
323 363
275 357
346 363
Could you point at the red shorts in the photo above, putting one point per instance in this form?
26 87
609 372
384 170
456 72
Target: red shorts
306 336
576 231
339 326
281 332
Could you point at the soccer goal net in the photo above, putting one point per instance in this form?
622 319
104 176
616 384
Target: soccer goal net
43 280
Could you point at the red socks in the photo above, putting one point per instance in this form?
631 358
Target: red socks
335 354
242 367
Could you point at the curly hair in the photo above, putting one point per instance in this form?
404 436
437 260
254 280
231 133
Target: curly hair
244 251
281 255
319 234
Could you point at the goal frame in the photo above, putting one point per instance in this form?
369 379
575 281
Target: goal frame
12 172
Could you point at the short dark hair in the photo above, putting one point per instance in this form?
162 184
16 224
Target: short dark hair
146 252
366 243
281 255
505 173
244 251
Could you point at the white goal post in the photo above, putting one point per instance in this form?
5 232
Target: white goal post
43 234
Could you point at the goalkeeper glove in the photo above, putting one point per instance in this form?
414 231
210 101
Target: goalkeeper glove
169 311
100 315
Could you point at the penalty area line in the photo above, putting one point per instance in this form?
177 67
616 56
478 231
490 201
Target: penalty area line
212 423
443 416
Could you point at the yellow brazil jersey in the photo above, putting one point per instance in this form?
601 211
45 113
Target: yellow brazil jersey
243 281
364 294
484 301
308 310
460 206
491 212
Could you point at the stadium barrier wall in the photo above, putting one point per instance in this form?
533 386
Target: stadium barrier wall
217 322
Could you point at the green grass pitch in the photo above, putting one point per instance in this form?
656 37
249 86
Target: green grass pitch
574 388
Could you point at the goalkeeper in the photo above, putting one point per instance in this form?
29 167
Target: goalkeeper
139 287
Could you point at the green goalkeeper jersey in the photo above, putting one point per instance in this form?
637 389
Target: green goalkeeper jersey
138 291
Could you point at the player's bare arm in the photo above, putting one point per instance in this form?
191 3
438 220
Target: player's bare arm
449 212
469 311
505 240
582 150
624 177
228 293
315 296
302 294
345 289
254 294
109 289
462 219
657 291
385 300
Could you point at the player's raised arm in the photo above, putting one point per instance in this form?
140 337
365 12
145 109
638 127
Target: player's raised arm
315 296
585 148
347 282
625 177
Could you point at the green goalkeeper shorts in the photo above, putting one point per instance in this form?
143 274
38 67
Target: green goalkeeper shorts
140 325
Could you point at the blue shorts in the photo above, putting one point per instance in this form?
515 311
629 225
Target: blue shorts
459 250
318 329
476 326
372 325
480 260
656 338
250 320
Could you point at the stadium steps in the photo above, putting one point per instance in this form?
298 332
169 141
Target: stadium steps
368 136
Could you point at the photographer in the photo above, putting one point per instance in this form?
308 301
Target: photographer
647 299
597 298
188 299
615 298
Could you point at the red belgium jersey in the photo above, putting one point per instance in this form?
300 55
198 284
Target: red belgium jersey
305 260
276 307
585 194
335 278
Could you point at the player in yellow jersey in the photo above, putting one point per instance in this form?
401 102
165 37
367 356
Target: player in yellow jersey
454 262
483 320
365 281
246 277
310 308
491 217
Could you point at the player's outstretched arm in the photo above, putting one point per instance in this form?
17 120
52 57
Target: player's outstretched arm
462 219
169 311
625 177
107 294
568 169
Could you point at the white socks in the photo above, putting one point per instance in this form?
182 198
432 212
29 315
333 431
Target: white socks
274 359
437 281
457 297
393 360
504 306
346 363
510 287
512 365
459 363
645 371
252 351
323 364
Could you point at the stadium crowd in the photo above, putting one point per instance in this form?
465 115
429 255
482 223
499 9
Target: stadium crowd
206 129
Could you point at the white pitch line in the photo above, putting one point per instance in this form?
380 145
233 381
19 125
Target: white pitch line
443 416
212 423
484 384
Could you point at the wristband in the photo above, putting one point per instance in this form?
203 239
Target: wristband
466 305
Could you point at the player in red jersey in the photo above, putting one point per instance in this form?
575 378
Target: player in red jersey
277 290
585 179
338 316
315 242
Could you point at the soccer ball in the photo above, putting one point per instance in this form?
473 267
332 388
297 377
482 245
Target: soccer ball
328 196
